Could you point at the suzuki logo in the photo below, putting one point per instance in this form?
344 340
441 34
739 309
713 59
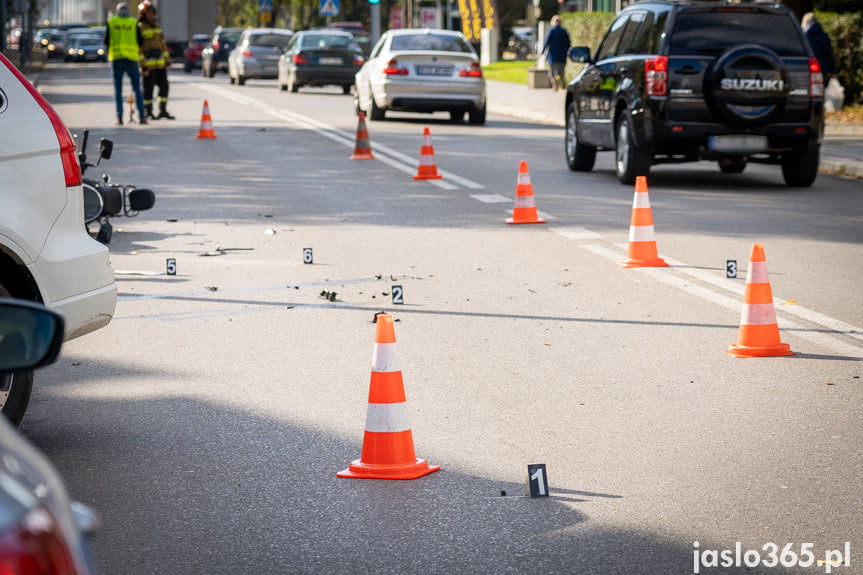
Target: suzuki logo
752 85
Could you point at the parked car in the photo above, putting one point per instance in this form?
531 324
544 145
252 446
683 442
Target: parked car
422 70
214 57
521 42
41 529
320 58
256 54
46 254
192 52
86 48
687 81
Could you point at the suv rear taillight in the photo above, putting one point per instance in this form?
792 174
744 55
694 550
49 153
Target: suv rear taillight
35 546
816 79
656 76
71 168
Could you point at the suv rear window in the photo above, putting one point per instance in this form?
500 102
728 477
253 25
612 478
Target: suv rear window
712 32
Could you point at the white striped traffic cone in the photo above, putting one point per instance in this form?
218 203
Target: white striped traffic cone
642 243
428 168
759 332
524 211
206 131
388 445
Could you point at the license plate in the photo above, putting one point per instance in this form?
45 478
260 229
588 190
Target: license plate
737 143
330 61
434 70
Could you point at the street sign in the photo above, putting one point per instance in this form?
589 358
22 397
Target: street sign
329 8
265 5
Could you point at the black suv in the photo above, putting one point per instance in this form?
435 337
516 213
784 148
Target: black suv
690 81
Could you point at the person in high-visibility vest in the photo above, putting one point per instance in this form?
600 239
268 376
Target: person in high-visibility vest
155 60
122 38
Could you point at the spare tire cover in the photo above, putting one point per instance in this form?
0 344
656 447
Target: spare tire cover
747 85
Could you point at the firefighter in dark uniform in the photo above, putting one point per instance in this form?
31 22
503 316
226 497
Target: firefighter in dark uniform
155 60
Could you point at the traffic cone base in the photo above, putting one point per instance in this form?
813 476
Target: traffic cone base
642 263
642 252
388 445
360 470
759 333
524 211
738 350
529 220
427 169
206 131
362 148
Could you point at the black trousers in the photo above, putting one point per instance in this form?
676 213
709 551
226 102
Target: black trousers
155 77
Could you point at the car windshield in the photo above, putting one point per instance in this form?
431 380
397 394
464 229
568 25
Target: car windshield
434 42
328 42
229 37
269 40
88 40
714 31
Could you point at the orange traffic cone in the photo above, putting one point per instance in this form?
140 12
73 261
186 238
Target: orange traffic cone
427 169
362 149
524 211
388 446
759 333
642 244
206 132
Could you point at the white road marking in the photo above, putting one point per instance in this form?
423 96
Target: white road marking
408 165
491 198
392 158
577 233
666 275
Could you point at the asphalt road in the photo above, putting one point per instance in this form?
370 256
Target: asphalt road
207 422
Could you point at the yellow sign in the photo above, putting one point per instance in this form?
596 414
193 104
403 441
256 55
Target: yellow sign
265 17
476 15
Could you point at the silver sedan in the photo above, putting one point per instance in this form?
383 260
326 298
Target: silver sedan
422 70
256 54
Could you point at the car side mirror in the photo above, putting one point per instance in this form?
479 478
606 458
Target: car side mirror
30 335
105 148
579 54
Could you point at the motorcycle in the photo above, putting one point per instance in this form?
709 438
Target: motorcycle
103 199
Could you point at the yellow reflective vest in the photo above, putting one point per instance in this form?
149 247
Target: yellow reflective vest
123 37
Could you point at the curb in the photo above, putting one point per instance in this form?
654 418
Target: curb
841 166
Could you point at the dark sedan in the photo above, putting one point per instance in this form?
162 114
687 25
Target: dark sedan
320 58
86 48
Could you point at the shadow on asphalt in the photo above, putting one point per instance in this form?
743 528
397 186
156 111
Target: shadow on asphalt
186 486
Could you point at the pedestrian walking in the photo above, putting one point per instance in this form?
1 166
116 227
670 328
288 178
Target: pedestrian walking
155 62
556 48
821 46
123 40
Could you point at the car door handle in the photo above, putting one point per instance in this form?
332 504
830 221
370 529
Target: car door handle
688 71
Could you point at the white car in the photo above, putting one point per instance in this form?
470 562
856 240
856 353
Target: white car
422 70
46 254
